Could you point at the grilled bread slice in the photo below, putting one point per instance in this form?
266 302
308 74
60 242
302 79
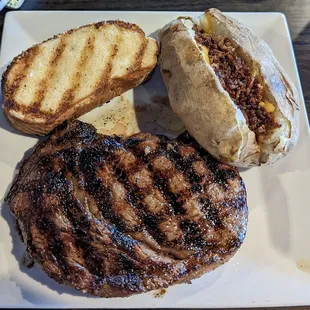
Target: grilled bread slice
74 72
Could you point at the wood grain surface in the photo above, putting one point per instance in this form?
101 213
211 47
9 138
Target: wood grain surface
296 11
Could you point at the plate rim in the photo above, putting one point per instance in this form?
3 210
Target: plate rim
283 16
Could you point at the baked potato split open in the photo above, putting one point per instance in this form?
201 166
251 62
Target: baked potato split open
228 88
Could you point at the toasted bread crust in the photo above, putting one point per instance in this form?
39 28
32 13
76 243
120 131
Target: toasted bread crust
33 119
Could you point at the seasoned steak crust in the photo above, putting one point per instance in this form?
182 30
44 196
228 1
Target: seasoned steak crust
113 216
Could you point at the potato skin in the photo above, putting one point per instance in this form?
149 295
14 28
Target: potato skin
209 114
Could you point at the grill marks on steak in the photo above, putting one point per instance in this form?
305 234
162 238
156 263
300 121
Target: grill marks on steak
115 216
236 78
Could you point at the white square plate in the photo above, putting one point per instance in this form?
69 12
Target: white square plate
272 268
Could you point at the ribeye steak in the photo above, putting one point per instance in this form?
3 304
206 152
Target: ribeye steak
115 216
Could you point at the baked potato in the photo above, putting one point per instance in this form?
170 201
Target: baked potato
228 88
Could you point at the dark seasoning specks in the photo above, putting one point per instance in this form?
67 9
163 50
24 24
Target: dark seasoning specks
160 293
122 116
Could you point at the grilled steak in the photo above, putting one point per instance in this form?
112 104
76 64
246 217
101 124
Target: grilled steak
115 216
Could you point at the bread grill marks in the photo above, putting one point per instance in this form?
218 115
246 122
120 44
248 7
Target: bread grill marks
115 216
22 74
49 76
88 48
27 57
236 78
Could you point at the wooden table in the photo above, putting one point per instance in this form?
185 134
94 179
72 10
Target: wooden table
297 13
